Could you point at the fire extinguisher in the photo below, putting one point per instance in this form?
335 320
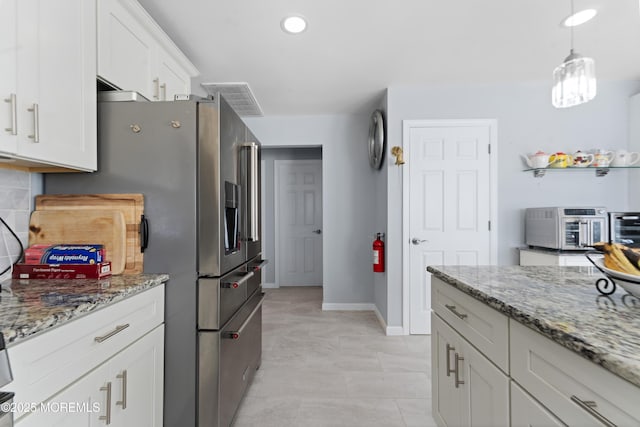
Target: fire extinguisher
378 254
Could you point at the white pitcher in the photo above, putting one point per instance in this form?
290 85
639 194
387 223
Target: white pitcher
625 158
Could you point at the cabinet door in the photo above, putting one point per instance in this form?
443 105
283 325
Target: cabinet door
56 82
173 79
137 375
486 390
83 404
125 49
446 397
527 412
8 84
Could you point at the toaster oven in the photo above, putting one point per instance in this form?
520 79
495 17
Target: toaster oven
624 227
564 228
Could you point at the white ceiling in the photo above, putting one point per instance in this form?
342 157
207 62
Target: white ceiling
354 49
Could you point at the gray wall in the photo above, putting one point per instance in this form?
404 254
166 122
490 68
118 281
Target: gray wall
526 123
380 296
269 155
17 190
348 195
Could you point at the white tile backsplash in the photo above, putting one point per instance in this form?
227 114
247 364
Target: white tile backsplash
16 199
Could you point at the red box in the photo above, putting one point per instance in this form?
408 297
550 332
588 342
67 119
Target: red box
62 271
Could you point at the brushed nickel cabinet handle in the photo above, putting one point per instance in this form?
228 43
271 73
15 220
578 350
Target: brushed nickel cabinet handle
123 377
457 370
117 330
590 406
163 86
449 370
156 88
36 122
107 416
13 130
452 308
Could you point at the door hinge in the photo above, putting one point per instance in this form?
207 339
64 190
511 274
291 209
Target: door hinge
489 224
489 148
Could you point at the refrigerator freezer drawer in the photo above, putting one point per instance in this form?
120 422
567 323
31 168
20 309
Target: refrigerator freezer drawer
227 362
219 298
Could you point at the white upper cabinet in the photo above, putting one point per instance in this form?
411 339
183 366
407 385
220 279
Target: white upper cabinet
8 82
50 115
135 54
171 78
125 49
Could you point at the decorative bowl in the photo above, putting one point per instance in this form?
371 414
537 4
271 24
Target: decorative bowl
629 282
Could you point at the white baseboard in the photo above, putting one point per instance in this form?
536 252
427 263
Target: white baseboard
395 330
270 286
347 307
389 330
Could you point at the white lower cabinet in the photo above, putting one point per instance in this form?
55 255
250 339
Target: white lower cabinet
540 383
107 365
85 396
528 412
137 381
468 388
124 391
575 390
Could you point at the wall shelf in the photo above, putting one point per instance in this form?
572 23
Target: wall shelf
540 172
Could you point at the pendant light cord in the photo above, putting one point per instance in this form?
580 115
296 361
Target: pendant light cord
571 50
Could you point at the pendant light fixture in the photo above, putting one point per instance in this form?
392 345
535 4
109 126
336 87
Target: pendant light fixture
574 81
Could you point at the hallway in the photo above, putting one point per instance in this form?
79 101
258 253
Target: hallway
334 368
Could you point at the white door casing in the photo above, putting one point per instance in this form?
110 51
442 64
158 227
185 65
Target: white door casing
449 205
298 222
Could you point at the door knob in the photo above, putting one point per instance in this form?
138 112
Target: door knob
318 231
417 241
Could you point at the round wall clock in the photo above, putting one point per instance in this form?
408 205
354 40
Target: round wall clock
376 139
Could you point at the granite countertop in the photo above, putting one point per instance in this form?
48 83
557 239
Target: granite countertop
563 304
29 307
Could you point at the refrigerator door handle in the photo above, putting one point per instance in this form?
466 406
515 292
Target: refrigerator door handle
144 233
252 187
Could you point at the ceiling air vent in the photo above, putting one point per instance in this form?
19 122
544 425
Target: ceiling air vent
238 95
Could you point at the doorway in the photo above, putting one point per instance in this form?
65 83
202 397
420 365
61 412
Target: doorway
449 205
292 214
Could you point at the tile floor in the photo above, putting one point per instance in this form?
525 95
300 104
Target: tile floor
334 368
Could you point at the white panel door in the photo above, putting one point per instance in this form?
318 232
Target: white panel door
298 222
449 203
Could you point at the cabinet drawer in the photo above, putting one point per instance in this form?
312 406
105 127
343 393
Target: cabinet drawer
527 412
558 377
482 326
47 363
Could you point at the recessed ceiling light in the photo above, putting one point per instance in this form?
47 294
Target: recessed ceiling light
579 18
294 24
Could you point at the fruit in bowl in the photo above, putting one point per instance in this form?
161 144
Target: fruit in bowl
622 264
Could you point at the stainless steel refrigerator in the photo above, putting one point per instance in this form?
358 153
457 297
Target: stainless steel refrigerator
198 166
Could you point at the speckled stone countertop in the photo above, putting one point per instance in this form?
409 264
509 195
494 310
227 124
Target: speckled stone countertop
29 307
563 304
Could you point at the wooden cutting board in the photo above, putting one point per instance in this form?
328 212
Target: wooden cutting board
131 206
104 227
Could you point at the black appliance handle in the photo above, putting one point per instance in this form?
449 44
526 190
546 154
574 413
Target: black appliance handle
144 233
